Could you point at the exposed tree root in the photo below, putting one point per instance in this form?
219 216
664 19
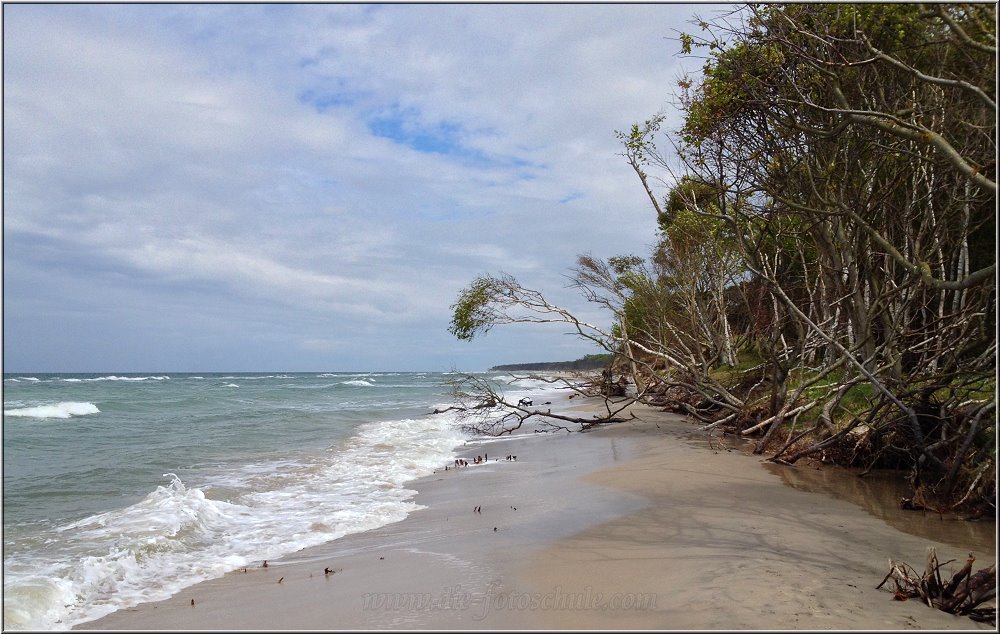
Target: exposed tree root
963 595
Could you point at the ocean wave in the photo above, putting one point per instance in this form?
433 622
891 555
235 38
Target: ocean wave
118 378
359 383
171 539
64 409
258 377
229 385
177 536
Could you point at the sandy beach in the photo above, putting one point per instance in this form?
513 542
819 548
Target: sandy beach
639 525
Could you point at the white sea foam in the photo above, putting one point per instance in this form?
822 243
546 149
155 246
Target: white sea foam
119 378
359 383
229 385
65 409
177 536
259 377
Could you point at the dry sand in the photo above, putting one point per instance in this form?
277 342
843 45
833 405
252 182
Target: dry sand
640 525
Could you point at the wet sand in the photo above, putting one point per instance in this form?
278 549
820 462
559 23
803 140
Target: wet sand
639 525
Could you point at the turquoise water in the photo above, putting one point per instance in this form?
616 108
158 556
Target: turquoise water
126 488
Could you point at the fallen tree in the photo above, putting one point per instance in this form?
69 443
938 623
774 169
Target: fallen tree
484 407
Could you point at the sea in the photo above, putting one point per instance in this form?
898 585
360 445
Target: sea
125 488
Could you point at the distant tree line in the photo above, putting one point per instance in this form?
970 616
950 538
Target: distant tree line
587 362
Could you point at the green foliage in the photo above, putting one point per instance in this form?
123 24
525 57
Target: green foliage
630 272
639 139
624 264
686 43
472 313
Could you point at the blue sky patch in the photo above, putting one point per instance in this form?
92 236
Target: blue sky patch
323 100
403 126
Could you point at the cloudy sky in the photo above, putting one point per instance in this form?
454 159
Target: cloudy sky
308 187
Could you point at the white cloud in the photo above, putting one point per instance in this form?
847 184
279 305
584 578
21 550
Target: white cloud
229 147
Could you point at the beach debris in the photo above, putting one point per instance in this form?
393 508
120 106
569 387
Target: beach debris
494 529
381 558
962 595
192 601
447 409
327 571
909 504
280 580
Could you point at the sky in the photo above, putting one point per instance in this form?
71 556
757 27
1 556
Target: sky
308 187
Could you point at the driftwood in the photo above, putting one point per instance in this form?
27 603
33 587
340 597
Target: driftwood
612 388
485 404
962 595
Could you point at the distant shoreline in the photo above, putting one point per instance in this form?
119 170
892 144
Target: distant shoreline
542 368
586 363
